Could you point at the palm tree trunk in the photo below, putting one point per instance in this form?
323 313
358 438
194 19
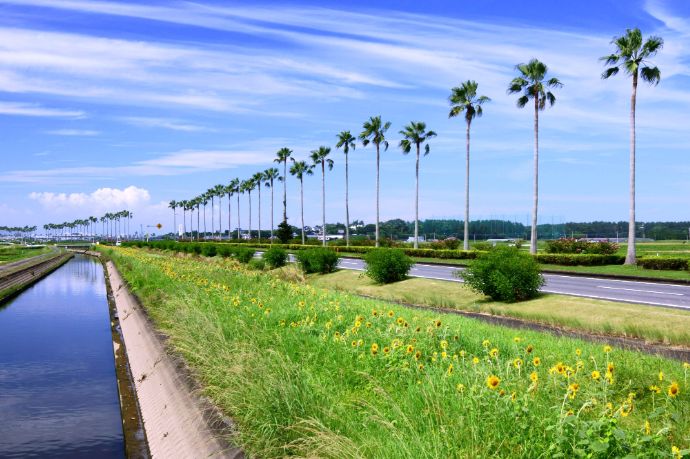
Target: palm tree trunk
250 214
416 203
466 233
220 217
205 222
631 256
259 188
184 223
271 210
347 205
301 196
174 221
213 218
533 235
229 221
239 235
377 194
285 190
198 227
323 203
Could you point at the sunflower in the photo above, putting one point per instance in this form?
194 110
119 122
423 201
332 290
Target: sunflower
374 312
517 363
386 350
596 375
460 387
444 355
444 344
391 313
493 353
420 366
517 339
654 388
572 390
534 377
529 349
607 349
486 343
578 352
492 382
450 370
647 427
418 355
536 361
400 320
661 376
409 349
675 452
438 324
475 360
609 368
673 390
374 349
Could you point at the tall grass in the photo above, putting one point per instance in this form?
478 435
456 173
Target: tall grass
312 373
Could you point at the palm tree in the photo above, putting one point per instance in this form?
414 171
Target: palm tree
233 188
258 180
270 175
247 186
299 169
219 190
632 53
463 99
346 141
203 200
416 134
374 132
320 157
282 156
210 194
184 204
532 84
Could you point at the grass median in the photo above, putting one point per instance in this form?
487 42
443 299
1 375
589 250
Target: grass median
654 324
311 372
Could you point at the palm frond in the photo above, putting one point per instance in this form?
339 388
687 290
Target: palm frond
405 146
651 75
522 101
609 72
651 46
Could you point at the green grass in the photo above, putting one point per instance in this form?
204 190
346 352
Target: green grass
293 366
663 325
9 254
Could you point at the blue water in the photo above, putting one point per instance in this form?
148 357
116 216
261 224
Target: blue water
58 391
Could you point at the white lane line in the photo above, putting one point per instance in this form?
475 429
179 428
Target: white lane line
621 300
600 279
638 290
437 278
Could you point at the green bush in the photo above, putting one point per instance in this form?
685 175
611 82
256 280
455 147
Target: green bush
208 250
257 263
317 260
504 274
284 232
571 259
676 264
576 246
225 250
482 246
387 265
275 257
244 254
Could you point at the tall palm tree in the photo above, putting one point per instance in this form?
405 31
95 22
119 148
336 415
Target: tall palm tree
299 169
632 54
246 187
320 157
532 84
346 141
374 131
219 191
203 198
416 134
270 175
233 188
258 179
210 194
282 156
464 99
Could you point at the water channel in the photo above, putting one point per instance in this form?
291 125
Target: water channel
58 390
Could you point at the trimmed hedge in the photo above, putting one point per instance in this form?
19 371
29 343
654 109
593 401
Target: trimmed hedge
570 259
676 264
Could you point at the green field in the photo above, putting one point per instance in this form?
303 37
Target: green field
9 254
310 372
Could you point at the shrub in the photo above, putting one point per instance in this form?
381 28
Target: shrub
275 257
504 274
572 245
676 264
284 232
571 259
317 260
244 254
224 250
257 263
208 250
482 246
387 265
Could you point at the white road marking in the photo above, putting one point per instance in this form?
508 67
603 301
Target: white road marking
599 279
596 297
638 290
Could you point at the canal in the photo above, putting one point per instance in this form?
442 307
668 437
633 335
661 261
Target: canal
58 389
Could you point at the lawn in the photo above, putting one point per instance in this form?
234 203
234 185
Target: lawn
654 324
9 254
310 372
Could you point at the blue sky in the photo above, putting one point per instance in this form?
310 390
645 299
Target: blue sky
111 105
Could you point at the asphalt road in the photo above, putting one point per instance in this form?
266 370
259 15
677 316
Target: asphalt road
625 291
652 293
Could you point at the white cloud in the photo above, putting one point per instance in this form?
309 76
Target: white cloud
27 109
74 132
102 198
164 123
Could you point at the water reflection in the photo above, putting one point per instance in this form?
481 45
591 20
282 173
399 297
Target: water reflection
58 392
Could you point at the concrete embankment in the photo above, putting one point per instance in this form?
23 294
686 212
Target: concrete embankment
19 276
177 422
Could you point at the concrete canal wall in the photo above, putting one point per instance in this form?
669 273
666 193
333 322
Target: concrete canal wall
21 275
177 422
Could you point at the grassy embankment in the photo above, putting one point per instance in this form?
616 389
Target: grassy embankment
654 324
311 372
9 254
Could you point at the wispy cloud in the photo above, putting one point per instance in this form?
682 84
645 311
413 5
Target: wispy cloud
164 123
74 132
27 109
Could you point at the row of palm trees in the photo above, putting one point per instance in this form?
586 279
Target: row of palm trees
18 229
532 84
112 226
